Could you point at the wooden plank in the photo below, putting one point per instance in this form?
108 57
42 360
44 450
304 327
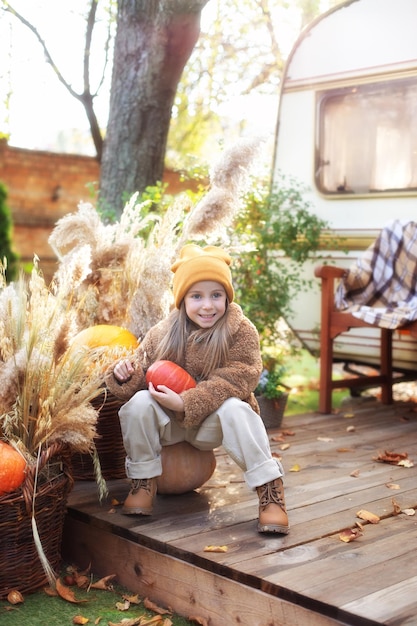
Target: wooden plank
395 604
188 590
334 570
311 567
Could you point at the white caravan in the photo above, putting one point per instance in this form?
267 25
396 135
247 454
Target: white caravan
347 129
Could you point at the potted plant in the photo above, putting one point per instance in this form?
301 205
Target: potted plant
272 393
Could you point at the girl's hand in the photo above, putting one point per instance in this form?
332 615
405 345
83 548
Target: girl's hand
167 398
123 370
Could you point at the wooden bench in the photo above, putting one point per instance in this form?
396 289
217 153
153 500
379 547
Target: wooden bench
333 323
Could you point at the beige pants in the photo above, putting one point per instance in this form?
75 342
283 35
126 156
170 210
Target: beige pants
146 427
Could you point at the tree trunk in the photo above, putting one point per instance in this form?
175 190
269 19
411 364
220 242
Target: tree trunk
153 43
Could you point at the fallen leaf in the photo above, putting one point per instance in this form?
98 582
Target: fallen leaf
215 549
408 511
136 621
79 619
148 604
405 463
167 622
132 599
288 433
367 516
278 438
349 534
115 502
284 446
82 581
392 486
50 592
350 429
348 415
392 458
355 473
395 507
104 583
295 468
97 620
344 450
66 593
325 439
123 606
157 619
276 455
15 597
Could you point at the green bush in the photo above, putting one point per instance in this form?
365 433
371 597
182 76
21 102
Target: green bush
273 236
7 256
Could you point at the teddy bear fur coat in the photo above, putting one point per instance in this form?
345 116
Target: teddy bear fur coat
238 378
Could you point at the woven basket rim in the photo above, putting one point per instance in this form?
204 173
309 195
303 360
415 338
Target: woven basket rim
31 484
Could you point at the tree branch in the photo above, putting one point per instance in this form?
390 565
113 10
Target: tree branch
86 97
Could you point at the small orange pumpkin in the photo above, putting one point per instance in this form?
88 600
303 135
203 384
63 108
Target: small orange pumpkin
104 335
12 468
171 375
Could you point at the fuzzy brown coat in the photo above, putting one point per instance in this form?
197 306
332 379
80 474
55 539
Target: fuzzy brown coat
238 378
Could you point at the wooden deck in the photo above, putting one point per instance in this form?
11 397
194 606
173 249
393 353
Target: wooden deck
309 577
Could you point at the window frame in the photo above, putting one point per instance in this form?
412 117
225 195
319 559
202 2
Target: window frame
327 123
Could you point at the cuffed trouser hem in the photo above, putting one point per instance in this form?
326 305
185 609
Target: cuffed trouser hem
264 473
143 469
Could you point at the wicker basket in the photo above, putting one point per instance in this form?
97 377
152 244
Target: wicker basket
20 566
272 411
109 444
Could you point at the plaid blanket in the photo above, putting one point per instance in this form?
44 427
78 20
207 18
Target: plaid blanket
381 287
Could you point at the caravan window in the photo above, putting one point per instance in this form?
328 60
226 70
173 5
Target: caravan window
367 138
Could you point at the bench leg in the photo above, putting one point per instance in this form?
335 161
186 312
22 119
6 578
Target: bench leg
386 365
326 374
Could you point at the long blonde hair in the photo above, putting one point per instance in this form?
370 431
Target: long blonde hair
216 340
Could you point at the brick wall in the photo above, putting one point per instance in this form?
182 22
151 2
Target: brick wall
42 187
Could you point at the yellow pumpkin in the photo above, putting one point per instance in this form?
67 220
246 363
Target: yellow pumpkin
103 335
184 468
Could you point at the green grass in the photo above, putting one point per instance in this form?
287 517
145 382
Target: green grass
302 377
98 606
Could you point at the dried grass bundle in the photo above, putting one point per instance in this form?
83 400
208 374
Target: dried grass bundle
46 389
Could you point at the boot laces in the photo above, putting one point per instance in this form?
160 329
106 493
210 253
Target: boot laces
271 493
140 483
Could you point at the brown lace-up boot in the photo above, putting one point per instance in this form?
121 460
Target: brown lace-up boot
273 516
140 498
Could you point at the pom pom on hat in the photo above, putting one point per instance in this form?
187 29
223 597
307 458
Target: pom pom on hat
196 264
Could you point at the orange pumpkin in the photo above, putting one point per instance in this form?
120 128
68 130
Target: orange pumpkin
184 468
105 335
171 375
12 468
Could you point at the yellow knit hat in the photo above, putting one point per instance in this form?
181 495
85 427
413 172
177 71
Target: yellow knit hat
196 264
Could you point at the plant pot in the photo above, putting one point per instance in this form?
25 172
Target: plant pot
272 410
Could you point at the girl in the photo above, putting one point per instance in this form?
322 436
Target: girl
208 335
